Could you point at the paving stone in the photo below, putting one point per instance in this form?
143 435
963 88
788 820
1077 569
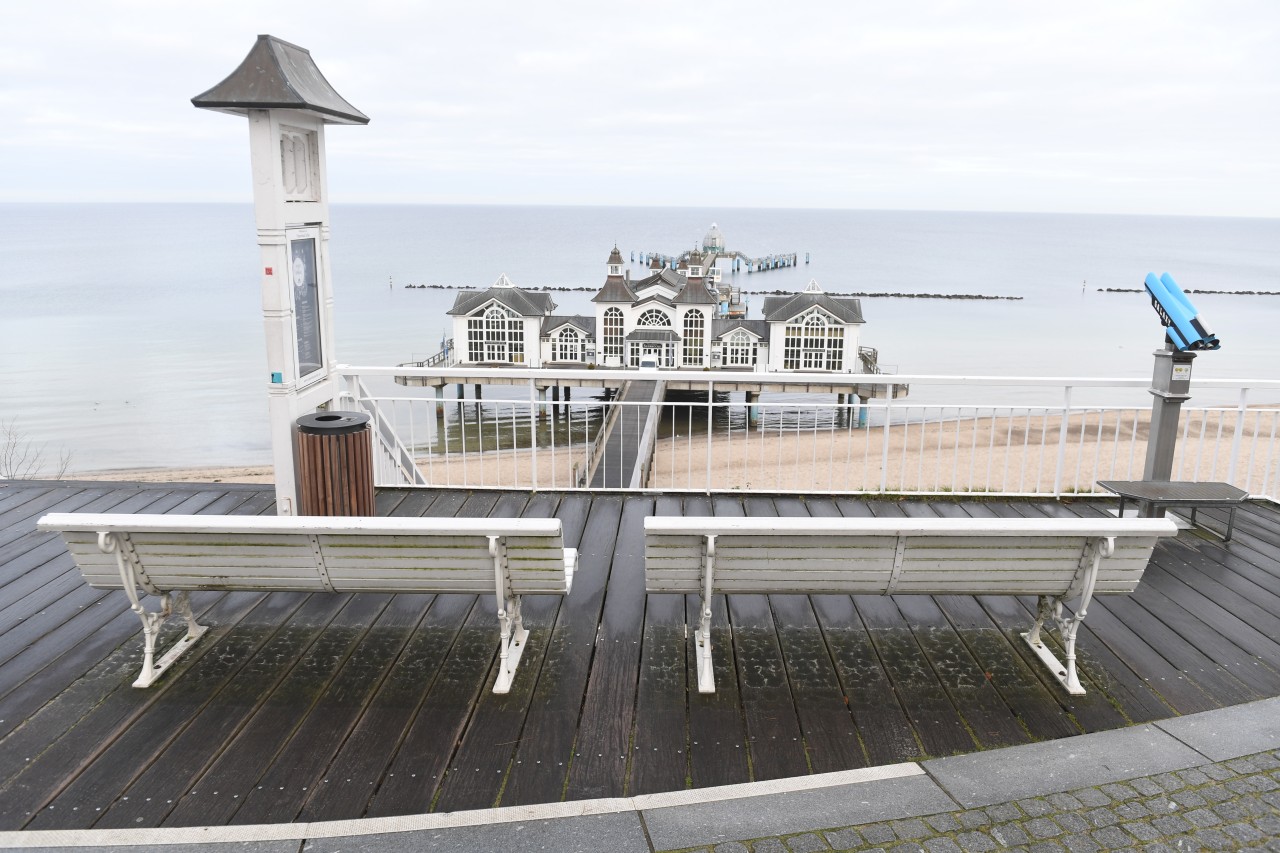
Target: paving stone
1266 761
1269 825
768 845
942 845
1243 832
1064 802
1242 765
730 847
1072 823
942 822
1272 799
1035 807
976 842
1132 811
1010 835
1215 839
1171 825
1188 799
1141 830
1218 772
843 839
973 819
1160 806
1169 781
908 830
806 843
1146 787
1078 843
1101 817
1231 811
1047 847
878 833
1004 812
906 847
1119 791
1042 827
1202 818
1216 793
1194 776
1091 797
1112 837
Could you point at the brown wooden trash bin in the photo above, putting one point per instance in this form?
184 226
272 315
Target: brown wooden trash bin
333 461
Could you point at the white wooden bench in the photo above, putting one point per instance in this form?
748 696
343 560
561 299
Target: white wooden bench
166 554
1055 559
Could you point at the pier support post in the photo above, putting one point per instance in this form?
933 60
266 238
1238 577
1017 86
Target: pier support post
542 402
462 392
753 411
478 394
438 405
862 413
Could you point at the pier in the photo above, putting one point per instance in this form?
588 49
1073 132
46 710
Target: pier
624 450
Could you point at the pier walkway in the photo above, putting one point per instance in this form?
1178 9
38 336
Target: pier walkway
303 709
627 449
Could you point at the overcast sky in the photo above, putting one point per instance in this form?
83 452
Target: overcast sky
1107 107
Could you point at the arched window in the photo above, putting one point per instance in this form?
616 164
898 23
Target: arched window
613 324
497 335
740 350
813 342
568 346
654 317
695 324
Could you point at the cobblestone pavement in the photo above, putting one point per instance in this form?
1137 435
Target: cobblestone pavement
1233 805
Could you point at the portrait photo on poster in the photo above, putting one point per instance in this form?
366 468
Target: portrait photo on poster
306 304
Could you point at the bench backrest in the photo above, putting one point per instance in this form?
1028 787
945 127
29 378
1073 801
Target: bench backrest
881 556
177 552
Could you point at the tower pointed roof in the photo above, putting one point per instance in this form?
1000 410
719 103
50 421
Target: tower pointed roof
615 257
279 75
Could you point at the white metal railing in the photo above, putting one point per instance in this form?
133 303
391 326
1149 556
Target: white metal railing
812 443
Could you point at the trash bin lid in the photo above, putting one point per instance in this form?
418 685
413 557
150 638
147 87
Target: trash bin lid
332 423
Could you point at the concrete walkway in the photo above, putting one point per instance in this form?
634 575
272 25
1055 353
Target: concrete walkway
1204 781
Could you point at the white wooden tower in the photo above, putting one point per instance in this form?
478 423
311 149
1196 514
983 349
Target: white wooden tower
288 103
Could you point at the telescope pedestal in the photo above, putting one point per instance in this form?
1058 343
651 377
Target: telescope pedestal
1170 384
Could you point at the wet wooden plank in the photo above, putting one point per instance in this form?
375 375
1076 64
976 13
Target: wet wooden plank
1031 699
543 754
937 723
660 744
600 754
305 666
831 739
299 767
489 742
718 753
98 715
768 707
460 636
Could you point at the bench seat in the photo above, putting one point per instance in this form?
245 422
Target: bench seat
1054 559
166 554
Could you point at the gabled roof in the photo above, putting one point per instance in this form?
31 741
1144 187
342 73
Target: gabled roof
615 290
553 324
523 302
781 308
722 327
279 75
696 293
668 277
654 297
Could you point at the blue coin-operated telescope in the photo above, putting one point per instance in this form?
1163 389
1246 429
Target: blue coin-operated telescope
1182 323
1171 381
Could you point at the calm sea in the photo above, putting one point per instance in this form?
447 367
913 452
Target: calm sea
131 335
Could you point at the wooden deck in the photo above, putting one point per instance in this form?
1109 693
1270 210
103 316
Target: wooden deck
314 707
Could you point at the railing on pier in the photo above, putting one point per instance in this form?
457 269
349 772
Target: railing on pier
958 435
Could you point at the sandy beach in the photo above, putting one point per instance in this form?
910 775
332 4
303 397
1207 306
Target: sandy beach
1002 454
